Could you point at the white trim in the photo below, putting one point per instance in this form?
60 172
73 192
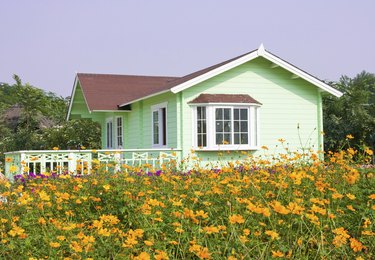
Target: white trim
76 81
122 132
107 121
112 111
214 72
257 53
161 129
253 128
142 98
302 74
225 104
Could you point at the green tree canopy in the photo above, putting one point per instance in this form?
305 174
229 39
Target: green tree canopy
352 114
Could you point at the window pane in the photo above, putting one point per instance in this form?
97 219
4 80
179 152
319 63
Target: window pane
201 126
236 126
244 114
199 113
227 127
219 113
244 126
219 126
155 127
227 138
244 139
236 114
236 138
226 113
199 140
219 138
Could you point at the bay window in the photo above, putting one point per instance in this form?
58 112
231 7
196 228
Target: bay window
225 122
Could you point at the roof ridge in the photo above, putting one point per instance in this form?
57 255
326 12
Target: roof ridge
124 75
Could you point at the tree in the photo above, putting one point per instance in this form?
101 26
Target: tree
352 114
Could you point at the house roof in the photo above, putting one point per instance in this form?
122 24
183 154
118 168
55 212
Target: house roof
224 98
105 92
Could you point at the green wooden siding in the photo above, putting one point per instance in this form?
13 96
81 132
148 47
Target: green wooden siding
287 104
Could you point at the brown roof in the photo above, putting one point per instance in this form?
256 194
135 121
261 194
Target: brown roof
188 77
106 92
224 98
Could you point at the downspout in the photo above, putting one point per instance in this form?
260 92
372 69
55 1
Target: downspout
320 126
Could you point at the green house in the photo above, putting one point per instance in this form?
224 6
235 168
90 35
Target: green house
243 104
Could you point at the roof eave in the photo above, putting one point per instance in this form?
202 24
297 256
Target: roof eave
145 97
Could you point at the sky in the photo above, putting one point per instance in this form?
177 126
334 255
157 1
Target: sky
47 42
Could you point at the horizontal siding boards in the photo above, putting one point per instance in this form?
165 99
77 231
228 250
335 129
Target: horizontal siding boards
139 125
287 103
132 128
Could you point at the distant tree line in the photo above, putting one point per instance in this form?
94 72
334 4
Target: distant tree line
32 119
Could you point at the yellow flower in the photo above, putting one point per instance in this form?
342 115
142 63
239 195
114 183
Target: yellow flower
42 221
277 253
55 148
179 230
44 196
148 243
161 255
61 238
369 151
274 235
142 256
13 169
349 136
54 244
211 229
236 219
106 187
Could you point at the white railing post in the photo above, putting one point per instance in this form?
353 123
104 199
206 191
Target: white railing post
72 163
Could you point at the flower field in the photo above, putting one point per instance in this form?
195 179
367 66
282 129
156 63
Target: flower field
290 208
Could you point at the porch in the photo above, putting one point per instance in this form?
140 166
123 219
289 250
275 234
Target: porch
85 161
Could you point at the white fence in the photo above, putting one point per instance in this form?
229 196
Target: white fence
83 161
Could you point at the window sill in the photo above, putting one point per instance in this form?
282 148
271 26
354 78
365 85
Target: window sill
226 148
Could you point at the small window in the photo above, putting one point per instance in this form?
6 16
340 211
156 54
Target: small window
159 125
201 127
109 138
119 133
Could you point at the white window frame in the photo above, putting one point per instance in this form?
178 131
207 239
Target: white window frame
109 134
253 127
119 129
158 108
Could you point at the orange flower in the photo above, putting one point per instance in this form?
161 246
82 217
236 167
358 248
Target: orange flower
274 235
277 253
236 219
356 245
54 244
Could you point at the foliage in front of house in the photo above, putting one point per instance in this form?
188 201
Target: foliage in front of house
291 208
31 119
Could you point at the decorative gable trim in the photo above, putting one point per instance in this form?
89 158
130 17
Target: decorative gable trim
76 82
260 52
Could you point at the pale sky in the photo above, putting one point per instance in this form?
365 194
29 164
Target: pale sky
47 42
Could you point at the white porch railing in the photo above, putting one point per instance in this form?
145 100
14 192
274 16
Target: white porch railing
83 161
